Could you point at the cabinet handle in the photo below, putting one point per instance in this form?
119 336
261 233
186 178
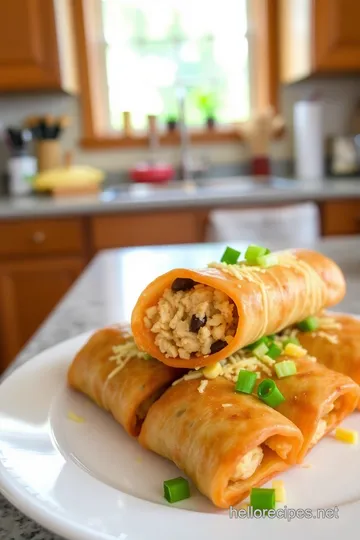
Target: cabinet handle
38 237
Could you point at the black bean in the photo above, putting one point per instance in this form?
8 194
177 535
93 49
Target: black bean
182 284
217 346
196 323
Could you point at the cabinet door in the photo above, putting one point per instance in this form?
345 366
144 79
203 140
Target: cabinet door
29 290
341 217
177 227
30 57
336 35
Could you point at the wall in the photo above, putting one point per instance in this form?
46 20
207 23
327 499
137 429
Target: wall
340 97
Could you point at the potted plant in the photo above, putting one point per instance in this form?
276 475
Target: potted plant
171 122
207 104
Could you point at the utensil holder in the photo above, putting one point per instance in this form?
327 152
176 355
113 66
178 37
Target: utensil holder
48 154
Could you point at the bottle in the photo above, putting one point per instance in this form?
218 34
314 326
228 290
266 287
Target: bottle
21 167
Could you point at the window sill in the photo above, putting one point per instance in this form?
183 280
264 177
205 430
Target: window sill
216 135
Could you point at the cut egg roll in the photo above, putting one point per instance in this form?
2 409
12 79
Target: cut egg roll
225 442
335 343
192 318
113 373
317 399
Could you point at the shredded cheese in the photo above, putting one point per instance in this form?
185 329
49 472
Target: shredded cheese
332 338
203 384
244 359
123 353
189 377
329 323
75 418
225 405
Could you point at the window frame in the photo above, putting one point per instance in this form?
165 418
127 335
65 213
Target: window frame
263 39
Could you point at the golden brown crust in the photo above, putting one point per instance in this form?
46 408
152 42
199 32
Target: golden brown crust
278 297
207 440
343 355
125 394
310 392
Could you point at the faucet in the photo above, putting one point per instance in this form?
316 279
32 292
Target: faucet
188 166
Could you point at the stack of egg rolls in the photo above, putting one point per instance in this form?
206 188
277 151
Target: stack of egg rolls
226 442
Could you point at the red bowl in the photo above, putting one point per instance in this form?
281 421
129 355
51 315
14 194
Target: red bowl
155 174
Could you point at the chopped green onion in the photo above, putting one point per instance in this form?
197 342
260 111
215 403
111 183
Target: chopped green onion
285 368
262 498
230 256
253 346
274 351
291 339
147 356
176 489
246 381
265 261
308 325
260 350
253 252
269 393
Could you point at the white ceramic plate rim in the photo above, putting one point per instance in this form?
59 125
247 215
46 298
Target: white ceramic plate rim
161 522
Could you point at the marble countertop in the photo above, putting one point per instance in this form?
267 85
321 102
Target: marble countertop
106 293
233 191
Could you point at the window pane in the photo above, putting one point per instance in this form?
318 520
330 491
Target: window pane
154 48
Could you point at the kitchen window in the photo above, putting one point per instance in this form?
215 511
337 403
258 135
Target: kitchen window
155 49
138 56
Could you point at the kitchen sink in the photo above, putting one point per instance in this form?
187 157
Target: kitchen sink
237 184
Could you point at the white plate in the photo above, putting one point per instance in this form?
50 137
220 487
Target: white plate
91 481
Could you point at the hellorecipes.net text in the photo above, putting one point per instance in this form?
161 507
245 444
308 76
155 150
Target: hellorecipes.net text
284 513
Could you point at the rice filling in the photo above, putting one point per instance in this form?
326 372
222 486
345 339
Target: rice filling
192 320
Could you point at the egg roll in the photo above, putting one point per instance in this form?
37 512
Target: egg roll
193 318
317 399
111 371
336 344
225 442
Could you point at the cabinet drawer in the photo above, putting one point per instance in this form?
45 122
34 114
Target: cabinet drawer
145 229
341 217
39 237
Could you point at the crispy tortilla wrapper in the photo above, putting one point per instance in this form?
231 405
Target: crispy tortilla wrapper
207 440
128 394
267 300
338 348
317 399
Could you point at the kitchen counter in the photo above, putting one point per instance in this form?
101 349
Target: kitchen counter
106 293
237 191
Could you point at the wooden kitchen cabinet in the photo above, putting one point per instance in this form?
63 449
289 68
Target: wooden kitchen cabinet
37 46
318 37
177 227
341 217
29 290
